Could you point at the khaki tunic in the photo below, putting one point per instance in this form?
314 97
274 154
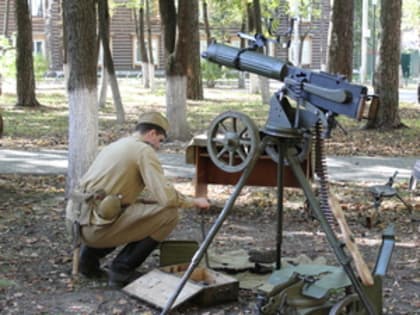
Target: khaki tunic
126 167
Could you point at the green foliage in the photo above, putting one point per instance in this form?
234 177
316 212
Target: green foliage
8 61
411 13
7 58
4 283
211 72
40 66
225 14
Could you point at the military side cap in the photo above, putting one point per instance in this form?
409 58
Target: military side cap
154 118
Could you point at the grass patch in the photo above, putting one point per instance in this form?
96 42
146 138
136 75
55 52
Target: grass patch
48 126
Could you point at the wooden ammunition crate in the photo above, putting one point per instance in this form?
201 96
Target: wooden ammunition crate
205 286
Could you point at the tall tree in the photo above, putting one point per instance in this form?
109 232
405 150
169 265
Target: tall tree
340 41
65 62
141 42
80 25
387 79
150 46
48 32
194 84
177 52
25 79
263 81
206 21
6 18
108 63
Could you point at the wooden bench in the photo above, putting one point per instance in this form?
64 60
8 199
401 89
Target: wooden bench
264 173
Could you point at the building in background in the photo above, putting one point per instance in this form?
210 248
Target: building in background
47 23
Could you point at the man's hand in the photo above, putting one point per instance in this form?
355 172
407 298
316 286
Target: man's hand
201 203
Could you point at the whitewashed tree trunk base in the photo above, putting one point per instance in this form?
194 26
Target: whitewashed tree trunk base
103 88
145 74
253 84
176 100
83 125
152 77
265 89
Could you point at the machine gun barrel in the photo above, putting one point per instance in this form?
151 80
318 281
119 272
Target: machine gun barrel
328 92
246 60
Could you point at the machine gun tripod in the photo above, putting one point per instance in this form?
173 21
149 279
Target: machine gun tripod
234 144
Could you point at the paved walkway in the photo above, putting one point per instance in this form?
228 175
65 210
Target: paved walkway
354 168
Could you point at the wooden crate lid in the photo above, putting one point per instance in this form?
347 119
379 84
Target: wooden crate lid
156 287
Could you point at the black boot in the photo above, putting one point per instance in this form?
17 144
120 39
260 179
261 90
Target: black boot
89 264
123 268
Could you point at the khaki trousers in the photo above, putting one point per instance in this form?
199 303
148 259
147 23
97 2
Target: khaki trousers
137 222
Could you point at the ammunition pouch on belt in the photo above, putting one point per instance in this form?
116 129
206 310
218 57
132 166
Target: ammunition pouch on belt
98 208
110 207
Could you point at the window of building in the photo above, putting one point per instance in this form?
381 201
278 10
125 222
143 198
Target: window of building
37 7
38 47
137 53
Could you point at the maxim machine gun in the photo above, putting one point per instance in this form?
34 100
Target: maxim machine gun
235 144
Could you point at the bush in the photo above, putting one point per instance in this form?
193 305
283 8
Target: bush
211 72
40 66
7 58
8 61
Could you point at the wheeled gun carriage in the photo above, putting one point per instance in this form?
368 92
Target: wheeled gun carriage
234 144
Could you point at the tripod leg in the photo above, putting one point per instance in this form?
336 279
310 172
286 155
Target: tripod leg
342 258
280 189
213 230
404 202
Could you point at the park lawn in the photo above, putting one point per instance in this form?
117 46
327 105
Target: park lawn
47 127
35 264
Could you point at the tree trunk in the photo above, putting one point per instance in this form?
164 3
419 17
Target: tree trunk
195 82
143 50
264 83
48 34
340 41
177 55
80 24
25 80
150 48
6 19
104 87
5 34
168 19
206 22
253 78
149 32
176 95
108 62
241 74
387 80
65 63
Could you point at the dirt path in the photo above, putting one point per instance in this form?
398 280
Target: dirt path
35 259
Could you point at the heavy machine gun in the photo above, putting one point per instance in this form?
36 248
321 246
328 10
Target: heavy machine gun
234 144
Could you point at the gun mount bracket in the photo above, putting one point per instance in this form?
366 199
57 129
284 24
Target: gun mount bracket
302 145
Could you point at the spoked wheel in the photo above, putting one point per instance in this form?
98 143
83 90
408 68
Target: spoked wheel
232 142
349 305
303 147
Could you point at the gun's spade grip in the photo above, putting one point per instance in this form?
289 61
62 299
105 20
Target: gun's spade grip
246 60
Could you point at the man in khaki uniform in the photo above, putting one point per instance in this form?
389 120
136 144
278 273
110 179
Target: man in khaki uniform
121 171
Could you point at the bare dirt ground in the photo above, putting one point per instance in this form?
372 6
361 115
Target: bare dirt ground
35 251
35 256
